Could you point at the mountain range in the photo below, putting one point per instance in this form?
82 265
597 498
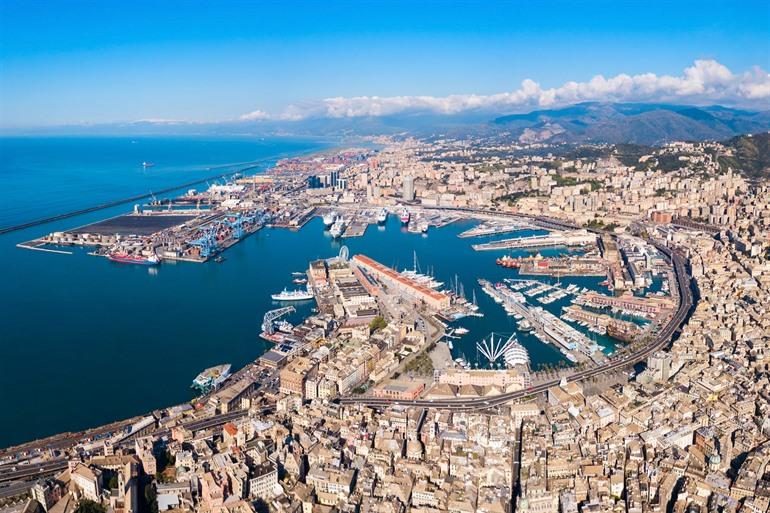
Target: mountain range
635 123
589 122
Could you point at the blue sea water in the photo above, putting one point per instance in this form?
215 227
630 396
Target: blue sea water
86 341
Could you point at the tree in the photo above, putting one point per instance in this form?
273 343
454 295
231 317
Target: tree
378 323
89 506
151 497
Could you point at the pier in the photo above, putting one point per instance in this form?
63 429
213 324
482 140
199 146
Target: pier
577 238
485 229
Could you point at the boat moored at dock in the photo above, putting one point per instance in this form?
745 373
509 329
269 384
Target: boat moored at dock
293 295
128 258
212 377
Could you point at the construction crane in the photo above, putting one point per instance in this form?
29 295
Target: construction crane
207 242
268 321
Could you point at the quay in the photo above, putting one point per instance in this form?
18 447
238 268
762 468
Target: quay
494 229
577 238
355 230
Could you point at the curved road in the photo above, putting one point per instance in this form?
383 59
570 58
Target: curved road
662 338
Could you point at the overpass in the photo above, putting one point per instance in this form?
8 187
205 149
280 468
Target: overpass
617 362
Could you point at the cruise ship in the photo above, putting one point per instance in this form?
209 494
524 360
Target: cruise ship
212 377
293 295
338 228
126 258
405 216
382 216
328 219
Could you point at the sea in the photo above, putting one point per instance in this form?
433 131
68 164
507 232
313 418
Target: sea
86 341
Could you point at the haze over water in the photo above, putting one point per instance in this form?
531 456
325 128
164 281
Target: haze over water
108 341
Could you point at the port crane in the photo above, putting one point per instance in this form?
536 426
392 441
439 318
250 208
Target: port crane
236 223
268 321
207 242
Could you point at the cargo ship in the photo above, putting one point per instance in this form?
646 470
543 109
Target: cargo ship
382 216
211 377
405 216
126 258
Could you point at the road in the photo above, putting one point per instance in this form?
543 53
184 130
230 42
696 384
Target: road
617 362
10 473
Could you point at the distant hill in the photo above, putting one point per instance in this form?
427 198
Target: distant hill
751 154
634 123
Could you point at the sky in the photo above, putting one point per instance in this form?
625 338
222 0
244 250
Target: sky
78 62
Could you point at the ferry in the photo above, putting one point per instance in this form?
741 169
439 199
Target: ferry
328 219
338 228
212 377
405 216
382 216
292 295
125 258
424 227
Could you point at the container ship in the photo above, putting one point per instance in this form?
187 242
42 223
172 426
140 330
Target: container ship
211 377
405 217
126 258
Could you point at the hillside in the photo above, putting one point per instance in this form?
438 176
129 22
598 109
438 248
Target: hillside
646 124
751 154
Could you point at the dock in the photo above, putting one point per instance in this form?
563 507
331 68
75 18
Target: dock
574 239
485 229
356 229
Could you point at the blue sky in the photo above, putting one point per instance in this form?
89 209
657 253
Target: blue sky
105 61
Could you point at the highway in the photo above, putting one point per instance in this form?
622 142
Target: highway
620 361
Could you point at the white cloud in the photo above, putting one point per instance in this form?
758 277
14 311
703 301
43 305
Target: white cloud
705 81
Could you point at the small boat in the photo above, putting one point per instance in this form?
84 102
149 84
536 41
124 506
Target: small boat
298 273
219 259
147 164
299 281
462 331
